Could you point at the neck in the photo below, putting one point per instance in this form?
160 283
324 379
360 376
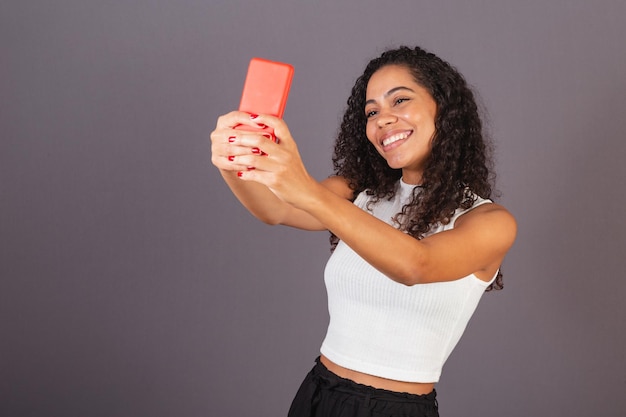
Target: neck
412 177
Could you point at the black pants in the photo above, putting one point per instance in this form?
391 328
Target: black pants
324 394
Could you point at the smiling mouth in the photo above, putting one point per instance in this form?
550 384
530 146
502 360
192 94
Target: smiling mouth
394 138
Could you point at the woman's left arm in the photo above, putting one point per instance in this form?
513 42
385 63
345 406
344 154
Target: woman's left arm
477 244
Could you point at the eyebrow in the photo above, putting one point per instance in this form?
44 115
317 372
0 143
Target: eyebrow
390 92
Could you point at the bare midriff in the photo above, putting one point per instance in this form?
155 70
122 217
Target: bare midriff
418 388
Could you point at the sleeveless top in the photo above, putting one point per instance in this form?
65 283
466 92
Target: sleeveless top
384 328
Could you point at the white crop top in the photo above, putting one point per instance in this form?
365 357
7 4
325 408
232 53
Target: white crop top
383 328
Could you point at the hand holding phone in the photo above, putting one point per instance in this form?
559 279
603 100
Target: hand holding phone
265 90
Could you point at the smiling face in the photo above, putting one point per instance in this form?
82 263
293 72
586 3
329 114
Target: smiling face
400 120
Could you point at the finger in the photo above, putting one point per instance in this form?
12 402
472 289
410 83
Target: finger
266 178
234 162
226 162
255 175
281 131
225 141
228 166
256 141
224 147
255 159
229 120
235 118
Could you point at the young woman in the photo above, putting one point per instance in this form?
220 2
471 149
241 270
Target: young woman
416 239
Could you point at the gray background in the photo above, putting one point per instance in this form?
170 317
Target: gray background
132 282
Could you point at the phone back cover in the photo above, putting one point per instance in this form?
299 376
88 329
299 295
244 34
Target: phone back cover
266 87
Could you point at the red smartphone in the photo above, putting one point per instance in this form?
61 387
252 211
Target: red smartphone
265 90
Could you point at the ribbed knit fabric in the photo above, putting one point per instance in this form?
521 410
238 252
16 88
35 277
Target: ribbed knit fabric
387 329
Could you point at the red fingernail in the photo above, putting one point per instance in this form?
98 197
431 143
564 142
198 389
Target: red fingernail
239 173
267 135
231 158
250 168
256 150
231 139
254 116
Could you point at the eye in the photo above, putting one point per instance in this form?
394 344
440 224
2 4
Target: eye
370 113
401 100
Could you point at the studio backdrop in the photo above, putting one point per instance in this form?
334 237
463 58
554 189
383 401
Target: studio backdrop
132 283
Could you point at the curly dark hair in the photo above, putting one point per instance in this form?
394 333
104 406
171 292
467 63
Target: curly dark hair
459 167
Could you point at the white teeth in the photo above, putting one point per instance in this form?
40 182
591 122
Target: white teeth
395 138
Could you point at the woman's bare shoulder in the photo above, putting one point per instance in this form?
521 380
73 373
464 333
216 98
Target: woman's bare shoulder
490 219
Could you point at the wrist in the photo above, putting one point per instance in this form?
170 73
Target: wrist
313 199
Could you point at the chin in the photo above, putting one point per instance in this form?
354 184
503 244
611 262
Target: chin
395 164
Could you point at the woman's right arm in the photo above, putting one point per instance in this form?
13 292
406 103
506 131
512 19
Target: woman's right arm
258 199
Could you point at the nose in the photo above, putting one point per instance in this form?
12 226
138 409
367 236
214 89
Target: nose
385 118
